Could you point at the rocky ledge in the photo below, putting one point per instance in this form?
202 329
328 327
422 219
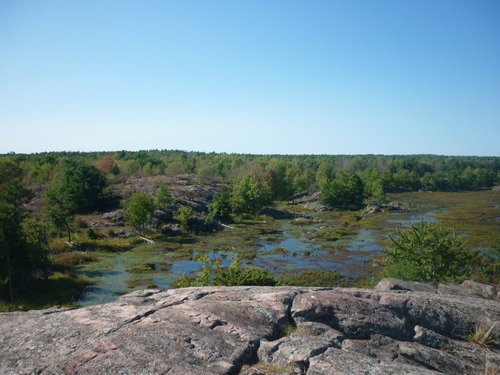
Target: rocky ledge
396 328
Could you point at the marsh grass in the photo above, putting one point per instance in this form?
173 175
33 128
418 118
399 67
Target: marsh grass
472 213
73 259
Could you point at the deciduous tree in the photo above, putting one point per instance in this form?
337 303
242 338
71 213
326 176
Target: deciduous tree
140 211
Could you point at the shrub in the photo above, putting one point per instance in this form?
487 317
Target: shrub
428 253
213 273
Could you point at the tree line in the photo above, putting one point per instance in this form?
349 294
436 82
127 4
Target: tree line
293 172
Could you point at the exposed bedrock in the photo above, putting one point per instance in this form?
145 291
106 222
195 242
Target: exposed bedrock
396 328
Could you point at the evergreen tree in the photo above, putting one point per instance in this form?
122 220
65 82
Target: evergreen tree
428 253
163 199
345 190
15 258
221 204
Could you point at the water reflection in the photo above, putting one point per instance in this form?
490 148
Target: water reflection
287 257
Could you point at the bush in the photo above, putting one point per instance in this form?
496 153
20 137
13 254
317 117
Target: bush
230 276
428 253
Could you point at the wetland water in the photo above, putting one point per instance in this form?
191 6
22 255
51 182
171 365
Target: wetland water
335 242
285 254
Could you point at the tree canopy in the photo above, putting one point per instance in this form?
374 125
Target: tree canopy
344 190
140 210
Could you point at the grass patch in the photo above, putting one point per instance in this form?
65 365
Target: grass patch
483 334
74 259
287 329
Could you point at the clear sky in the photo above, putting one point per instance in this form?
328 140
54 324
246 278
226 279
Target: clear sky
251 76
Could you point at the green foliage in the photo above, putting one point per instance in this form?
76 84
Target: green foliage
221 204
234 275
428 253
78 188
324 173
374 185
275 181
163 199
183 215
19 254
345 190
287 329
250 194
213 274
140 211
59 217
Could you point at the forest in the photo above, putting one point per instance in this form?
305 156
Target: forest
47 201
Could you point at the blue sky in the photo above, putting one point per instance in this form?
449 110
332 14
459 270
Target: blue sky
260 77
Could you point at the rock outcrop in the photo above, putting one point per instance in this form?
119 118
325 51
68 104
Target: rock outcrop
309 201
396 328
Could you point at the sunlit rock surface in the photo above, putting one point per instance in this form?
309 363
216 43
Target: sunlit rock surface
396 328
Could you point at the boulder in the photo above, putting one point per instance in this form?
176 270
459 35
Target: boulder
394 284
309 201
372 209
162 216
481 290
113 216
172 230
303 220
